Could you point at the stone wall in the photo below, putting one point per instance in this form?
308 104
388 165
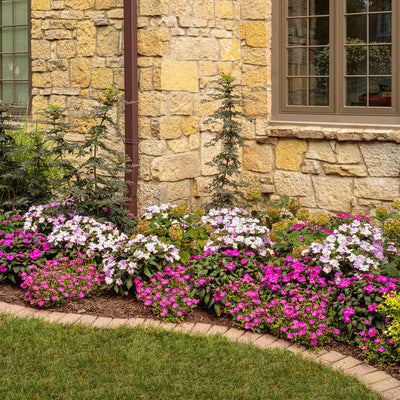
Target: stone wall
76 48
183 46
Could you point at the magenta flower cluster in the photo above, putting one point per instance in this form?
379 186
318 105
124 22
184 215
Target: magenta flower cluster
168 294
60 280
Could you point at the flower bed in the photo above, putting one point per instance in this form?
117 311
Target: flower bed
305 278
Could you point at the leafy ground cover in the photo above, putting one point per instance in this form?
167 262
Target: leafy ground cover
306 278
43 361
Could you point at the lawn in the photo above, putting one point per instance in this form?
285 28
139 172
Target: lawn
43 361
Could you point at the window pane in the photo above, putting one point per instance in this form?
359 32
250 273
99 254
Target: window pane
356 28
380 92
297 61
20 12
356 60
319 92
380 60
21 66
297 31
7 66
297 7
319 61
21 38
380 28
6 12
21 92
7 40
319 7
380 5
319 31
7 92
297 91
355 6
356 92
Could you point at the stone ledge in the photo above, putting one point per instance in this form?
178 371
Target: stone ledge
377 380
327 133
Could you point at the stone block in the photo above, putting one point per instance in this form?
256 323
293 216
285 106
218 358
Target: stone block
230 49
190 125
289 154
194 141
108 41
41 80
295 184
181 190
208 153
203 9
254 55
382 159
148 193
152 147
256 77
258 157
201 328
377 188
66 49
233 334
224 9
176 167
179 75
153 42
105 4
40 49
80 72
86 38
217 330
80 4
264 341
102 78
186 48
207 68
249 337
59 78
181 104
258 104
170 128
150 7
321 150
40 5
256 34
255 9
151 104
333 194
347 153
345 170
178 145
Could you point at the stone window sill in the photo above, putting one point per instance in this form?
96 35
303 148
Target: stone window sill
328 133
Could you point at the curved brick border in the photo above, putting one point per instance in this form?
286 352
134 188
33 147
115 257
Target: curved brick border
375 379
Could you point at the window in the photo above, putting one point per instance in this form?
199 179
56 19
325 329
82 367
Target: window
14 54
337 61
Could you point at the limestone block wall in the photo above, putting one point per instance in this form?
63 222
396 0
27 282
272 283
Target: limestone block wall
76 48
183 45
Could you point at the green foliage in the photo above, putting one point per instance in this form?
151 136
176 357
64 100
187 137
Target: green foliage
100 185
391 309
225 188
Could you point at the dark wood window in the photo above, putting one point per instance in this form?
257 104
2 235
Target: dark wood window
14 54
336 58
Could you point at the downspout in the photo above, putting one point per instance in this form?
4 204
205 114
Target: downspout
131 98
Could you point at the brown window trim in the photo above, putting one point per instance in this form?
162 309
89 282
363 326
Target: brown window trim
341 116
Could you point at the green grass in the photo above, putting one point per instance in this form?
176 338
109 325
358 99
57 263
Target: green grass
43 361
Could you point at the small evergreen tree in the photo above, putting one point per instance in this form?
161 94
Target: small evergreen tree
225 187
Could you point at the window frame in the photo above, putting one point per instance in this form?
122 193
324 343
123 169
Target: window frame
337 113
23 109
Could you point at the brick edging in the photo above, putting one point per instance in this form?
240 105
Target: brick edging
375 379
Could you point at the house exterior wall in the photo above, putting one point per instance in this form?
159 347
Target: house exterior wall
183 45
76 48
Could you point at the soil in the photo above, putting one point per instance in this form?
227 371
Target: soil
109 305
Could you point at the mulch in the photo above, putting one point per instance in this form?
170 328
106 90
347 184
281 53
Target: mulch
111 305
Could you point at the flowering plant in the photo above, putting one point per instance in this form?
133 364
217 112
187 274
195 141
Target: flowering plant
10 221
168 294
60 280
358 299
87 235
142 255
354 247
19 250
